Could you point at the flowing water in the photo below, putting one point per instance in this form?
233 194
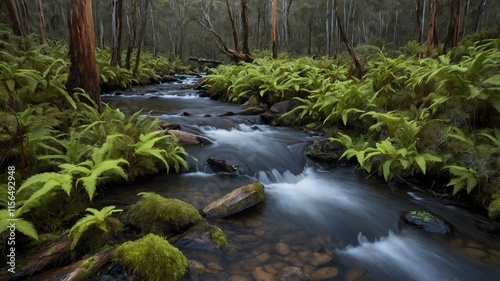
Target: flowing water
334 221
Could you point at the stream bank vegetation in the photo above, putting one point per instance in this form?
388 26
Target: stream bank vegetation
432 121
66 152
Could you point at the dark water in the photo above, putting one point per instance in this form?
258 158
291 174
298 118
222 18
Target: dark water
337 214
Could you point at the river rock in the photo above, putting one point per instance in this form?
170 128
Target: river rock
292 273
165 125
321 258
261 275
324 273
237 278
168 79
282 248
252 111
219 165
203 236
326 152
263 257
426 221
188 138
284 106
236 201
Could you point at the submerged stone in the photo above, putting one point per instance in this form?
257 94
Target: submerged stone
426 221
236 201
292 273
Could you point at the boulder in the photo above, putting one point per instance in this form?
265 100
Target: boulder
426 221
168 79
325 152
292 273
203 236
284 106
236 201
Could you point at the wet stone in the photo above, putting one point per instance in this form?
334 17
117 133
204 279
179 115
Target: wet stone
321 258
324 273
259 232
476 253
282 248
263 257
292 274
426 221
269 268
261 275
237 278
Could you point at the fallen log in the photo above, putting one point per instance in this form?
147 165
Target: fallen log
80 270
208 61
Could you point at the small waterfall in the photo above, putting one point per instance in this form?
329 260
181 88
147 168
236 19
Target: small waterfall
408 256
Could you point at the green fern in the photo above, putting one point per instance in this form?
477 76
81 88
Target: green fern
97 219
463 178
23 226
494 207
90 172
40 186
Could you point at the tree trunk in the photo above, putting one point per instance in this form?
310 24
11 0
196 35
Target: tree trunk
273 28
41 21
350 48
14 17
25 20
246 31
453 35
132 33
233 26
153 30
480 13
142 30
432 35
83 70
464 20
116 30
419 21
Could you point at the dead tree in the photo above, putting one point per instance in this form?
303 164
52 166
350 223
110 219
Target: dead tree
235 55
350 48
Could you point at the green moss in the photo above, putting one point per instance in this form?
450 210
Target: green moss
218 237
256 186
152 258
156 214
422 215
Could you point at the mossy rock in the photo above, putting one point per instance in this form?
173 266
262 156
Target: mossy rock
426 221
152 258
236 201
156 214
202 236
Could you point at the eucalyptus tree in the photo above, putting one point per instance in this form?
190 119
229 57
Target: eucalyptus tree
116 32
83 69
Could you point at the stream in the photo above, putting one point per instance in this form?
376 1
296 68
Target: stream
333 221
